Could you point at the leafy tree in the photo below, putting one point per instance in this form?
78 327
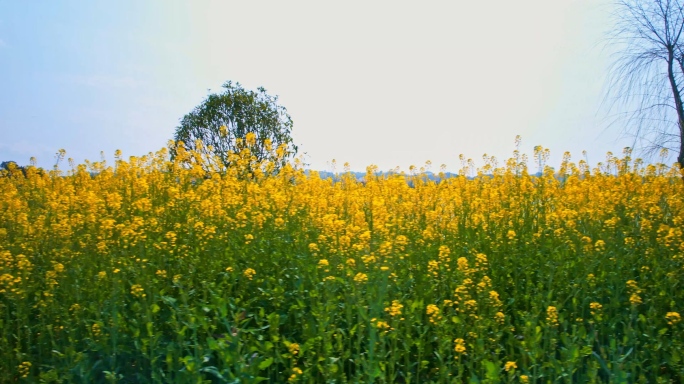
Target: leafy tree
648 72
11 168
5 165
219 127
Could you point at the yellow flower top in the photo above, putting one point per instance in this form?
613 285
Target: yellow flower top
249 273
395 308
552 316
459 346
673 318
361 277
510 365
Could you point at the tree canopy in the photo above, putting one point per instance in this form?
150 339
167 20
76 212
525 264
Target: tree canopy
220 127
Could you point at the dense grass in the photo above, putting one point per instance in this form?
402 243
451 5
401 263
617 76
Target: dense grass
150 272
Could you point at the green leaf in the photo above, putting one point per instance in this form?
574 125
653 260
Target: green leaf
266 363
212 344
492 370
169 300
213 371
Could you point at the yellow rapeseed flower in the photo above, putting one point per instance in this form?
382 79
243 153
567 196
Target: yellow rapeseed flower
462 264
470 305
97 331
433 268
552 316
24 369
460 347
673 318
510 365
395 308
293 348
433 313
361 277
600 245
249 273
250 138
138 291
295 373
381 325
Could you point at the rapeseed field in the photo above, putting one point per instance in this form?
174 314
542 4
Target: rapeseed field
152 270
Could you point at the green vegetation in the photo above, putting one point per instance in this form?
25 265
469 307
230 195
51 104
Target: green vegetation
150 272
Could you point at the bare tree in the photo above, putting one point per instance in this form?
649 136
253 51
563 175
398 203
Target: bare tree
647 76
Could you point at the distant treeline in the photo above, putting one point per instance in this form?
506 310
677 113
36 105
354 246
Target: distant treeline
11 167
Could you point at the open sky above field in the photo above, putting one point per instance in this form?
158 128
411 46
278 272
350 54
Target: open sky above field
385 83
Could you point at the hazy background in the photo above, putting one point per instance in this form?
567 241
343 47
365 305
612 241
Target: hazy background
385 82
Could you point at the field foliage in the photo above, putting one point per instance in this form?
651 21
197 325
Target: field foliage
157 271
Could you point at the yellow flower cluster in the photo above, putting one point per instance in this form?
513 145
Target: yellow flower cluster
673 318
249 273
293 348
361 277
510 365
634 291
296 372
138 291
600 245
24 369
9 283
591 279
459 346
552 316
494 299
381 325
433 313
395 308
433 268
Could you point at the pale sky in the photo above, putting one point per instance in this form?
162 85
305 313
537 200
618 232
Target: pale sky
390 83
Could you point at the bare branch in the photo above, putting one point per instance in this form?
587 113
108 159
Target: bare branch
647 73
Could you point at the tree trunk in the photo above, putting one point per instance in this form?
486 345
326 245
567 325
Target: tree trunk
678 103
680 158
